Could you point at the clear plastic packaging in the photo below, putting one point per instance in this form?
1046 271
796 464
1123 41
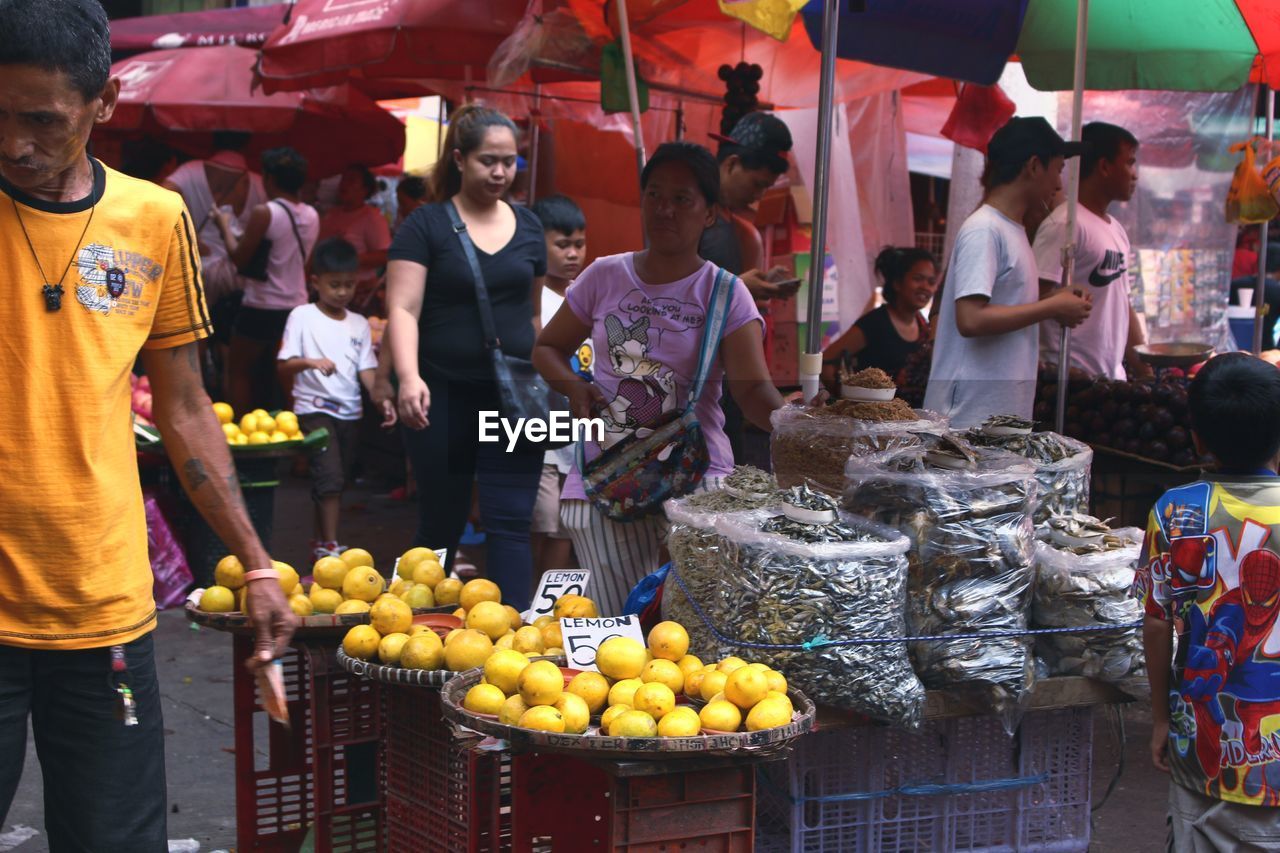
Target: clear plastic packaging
971 562
1089 590
1063 467
810 445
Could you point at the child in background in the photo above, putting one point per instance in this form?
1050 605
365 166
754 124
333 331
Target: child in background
1211 571
565 228
326 355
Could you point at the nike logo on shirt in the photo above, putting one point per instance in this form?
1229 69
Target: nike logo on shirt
1111 268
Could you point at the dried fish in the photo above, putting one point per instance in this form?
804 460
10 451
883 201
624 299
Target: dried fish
1006 425
1078 588
872 377
1062 466
971 567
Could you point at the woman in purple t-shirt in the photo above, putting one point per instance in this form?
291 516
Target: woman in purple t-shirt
644 312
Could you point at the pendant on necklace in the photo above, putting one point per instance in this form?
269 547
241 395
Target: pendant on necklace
52 296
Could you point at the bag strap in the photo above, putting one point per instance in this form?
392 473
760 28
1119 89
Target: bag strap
487 326
293 223
717 319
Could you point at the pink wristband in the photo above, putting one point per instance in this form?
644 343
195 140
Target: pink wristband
261 574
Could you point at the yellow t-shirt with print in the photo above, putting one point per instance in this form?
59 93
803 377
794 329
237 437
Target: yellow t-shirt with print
74 568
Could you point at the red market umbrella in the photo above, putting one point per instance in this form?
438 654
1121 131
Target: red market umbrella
181 97
243 25
383 46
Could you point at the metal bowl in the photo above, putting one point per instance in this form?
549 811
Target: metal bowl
1174 354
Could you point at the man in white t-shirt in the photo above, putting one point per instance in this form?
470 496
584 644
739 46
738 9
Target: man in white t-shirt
1108 174
987 347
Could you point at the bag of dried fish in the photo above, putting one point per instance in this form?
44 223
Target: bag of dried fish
1084 571
1062 464
967 513
813 574
692 542
810 444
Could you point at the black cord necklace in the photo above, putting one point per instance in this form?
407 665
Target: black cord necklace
53 292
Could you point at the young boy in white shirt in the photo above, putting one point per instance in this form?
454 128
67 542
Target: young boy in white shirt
325 356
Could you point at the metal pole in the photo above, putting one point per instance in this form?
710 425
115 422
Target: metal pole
1260 289
624 27
1073 202
811 359
535 122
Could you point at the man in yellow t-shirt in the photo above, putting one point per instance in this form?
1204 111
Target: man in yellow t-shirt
98 271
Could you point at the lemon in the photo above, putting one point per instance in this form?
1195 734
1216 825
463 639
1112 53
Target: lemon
461 613
712 683
575 713
488 616
354 557
551 636
278 436
528 640
542 719
484 699
504 642
420 629
418 597
773 694
423 651
259 438
513 617
249 424
759 666
555 652
399 587
329 572
745 687
239 594
242 439
540 683
448 591
591 687
327 600
229 572
390 648
693 682
512 710
611 714
619 657
361 642
655 699
633 724
664 672
390 615
543 621
287 422
352 606
731 663
573 606
218 599
688 664
680 722
288 576
669 641
231 431
721 716
623 692
469 649
768 714
298 590
428 572
777 681
362 582
411 558
301 605
266 423
449 636
478 590
224 413
503 668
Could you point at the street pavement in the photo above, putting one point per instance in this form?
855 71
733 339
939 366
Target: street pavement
195 675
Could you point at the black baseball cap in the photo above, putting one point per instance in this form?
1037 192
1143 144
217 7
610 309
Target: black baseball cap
1029 136
764 134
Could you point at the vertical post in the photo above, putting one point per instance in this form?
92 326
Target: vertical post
624 27
441 118
1073 202
535 122
811 359
1260 289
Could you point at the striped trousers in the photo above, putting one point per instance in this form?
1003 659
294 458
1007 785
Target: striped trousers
619 554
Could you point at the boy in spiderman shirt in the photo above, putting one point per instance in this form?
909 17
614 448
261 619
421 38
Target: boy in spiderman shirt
1211 572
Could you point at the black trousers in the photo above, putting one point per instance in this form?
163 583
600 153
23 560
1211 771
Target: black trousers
104 783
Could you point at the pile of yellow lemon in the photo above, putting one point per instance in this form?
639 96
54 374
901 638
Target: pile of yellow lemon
258 426
635 691
227 593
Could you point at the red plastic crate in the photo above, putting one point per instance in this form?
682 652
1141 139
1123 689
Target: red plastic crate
319 777
441 794
561 803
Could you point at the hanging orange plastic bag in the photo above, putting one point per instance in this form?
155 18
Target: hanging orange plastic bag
1249 199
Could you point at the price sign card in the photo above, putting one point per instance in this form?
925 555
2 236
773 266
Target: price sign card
583 636
552 586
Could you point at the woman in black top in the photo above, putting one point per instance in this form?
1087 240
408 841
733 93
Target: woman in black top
438 349
886 336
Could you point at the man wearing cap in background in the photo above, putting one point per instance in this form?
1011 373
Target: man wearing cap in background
751 157
987 347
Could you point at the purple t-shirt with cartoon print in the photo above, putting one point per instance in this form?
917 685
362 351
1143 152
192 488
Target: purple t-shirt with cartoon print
646 339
